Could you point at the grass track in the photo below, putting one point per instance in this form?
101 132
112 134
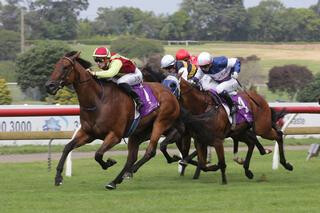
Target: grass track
157 187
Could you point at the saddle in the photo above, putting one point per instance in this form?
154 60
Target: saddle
243 114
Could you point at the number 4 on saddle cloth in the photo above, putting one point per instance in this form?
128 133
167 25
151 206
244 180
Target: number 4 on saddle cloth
150 103
243 113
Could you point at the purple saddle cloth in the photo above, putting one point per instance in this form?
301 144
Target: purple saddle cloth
243 113
150 102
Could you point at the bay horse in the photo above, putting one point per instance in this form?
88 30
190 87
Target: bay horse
106 113
177 133
212 127
197 106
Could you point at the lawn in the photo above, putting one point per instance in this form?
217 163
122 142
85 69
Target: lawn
28 187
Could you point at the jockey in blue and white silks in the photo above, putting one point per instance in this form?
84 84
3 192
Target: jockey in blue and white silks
219 74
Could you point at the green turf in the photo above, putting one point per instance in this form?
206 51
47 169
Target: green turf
27 149
28 187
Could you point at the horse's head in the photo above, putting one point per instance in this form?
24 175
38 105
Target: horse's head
63 73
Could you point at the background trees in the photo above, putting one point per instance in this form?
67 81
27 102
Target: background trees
9 44
35 65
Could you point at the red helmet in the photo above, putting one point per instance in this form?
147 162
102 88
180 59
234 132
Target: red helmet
182 54
101 52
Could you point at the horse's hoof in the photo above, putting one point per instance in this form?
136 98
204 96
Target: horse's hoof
268 151
176 158
110 162
215 167
58 181
183 163
288 166
249 174
238 160
127 176
111 186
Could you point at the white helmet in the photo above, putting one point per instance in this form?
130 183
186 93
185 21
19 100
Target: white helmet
167 60
204 58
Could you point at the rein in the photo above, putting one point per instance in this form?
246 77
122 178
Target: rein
65 75
206 97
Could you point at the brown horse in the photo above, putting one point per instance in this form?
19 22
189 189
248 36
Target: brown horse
212 127
177 133
197 106
106 113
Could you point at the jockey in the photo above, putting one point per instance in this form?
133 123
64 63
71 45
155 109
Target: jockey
223 73
184 55
120 69
173 66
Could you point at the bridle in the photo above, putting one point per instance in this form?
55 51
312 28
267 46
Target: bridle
66 73
65 76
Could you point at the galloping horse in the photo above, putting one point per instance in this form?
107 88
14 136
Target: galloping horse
199 105
107 113
213 127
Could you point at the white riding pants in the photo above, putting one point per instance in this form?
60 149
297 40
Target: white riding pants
131 78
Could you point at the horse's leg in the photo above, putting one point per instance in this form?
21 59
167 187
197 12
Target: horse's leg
133 148
184 146
278 135
172 136
218 145
259 146
80 139
236 158
250 141
110 140
157 130
283 160
201 151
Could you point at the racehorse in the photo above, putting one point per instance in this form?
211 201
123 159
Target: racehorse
197 106
213 127
177 134
106 113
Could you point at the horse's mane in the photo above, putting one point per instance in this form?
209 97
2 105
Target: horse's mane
86 64
157 76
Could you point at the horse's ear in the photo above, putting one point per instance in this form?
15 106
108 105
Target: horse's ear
179 75
77 54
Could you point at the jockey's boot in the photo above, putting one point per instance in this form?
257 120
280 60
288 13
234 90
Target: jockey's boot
127 88
232 107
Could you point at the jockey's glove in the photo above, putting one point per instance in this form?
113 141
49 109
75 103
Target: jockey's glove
91 72
234 75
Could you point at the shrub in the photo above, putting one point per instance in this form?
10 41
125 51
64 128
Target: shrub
133 47
65 96
5 97
289 78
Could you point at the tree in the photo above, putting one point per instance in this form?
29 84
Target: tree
289 78
55 19
133 47
264 20
34 66
9 45
5 97
219 20
311 91
250 71
10 15
176 27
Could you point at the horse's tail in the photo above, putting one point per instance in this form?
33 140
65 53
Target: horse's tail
276 116
197 124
